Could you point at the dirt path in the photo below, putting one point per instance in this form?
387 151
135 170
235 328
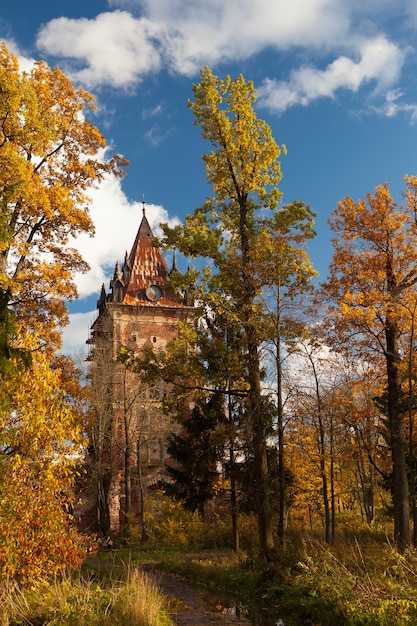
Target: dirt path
189 606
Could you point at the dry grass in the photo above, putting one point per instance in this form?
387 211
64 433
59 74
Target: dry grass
83 601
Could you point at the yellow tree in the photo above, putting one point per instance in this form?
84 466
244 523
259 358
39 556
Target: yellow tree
333 433
286 271
243 170
49 157
366 459
372 274
41 438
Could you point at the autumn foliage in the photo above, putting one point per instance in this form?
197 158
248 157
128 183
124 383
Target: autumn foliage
41 438
50 156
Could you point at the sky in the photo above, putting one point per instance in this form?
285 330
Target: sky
336 81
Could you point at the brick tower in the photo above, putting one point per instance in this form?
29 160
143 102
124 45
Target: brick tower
128 429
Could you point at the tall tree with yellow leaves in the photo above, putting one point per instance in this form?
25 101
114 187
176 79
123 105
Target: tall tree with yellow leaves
40 442
372 274
243 170
49 158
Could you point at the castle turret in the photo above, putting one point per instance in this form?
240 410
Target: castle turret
139 311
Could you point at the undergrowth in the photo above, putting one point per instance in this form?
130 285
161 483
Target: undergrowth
361 581
86 601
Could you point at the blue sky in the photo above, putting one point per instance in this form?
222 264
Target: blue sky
337 83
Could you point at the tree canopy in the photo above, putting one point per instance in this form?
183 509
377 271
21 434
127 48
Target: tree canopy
371 292
50 155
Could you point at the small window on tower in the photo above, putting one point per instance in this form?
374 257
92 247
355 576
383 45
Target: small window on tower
154 339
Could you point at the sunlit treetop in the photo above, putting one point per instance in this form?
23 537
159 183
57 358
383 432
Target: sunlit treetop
50 156
245 156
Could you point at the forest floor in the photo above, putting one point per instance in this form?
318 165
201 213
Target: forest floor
188 605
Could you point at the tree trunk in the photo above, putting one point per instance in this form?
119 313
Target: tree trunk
400 492
365 487
144 534
411 451
332 494
259 447
321 443
325 489
281 459
256 415
128 496
233 503
102 490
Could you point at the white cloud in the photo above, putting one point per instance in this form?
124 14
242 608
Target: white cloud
115 48
118 48
75 335
201 32
393 105
380 62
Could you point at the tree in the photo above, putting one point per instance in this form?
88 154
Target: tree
49 157
196 452
244 171
372 274
365 439
124 434
40 443
133 408
126 398
411 405
100 426
316 408
286 272
204 362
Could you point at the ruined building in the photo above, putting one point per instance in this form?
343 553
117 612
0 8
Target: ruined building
128 430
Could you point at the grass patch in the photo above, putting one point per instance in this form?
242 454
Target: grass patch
362 581
87 601
220 570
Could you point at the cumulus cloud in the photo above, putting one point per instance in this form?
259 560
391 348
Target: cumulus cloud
380 62
118 48
240 28
114 48
75 335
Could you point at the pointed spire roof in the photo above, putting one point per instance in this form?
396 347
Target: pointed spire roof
147 265
117 275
